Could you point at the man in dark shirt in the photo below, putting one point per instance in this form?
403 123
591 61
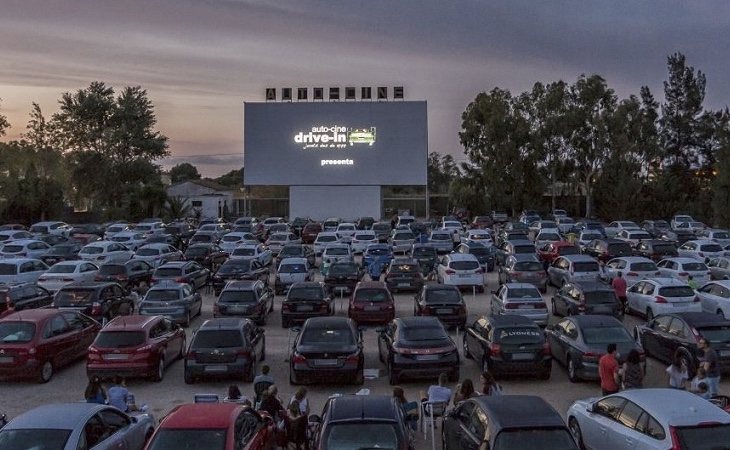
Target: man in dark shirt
711 366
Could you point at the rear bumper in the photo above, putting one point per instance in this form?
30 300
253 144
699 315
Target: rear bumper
230 369
405 284
372 317
502 367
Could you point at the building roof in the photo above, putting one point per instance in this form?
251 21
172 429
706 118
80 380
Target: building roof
210 184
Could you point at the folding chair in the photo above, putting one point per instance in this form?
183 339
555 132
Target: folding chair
430 412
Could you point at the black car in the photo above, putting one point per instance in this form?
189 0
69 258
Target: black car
361 422
327 349
404 274
342 277
507 345
239 269
129 274
656 249
655 227
578 342
511 235
189 272
443 301
100 300
364 223
225 347
427 257
586 298
681 332
20 296
210 256
607 249
485 255
298 251
61 252
250 299
417 347
505 423
305 300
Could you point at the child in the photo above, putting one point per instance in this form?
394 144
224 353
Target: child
703 391
701 377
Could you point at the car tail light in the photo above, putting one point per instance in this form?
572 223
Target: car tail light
154 280
298 359
42 279
324 307
244 353
285 306
96 309
69 280
495 349
180 280
676 443
191 354
144 348
702 254
660 299
390 306
353 358
98 278
93 353
546 349
657 273
450 272
216 308
516 274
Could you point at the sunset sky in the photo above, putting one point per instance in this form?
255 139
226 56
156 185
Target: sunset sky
200 59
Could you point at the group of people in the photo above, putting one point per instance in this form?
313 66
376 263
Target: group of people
117 395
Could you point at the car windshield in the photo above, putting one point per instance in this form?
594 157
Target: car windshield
606 335
464 265
526 438
119 339
716 335
372 295
588 266
92 250
523 293
237 297
178 439
291 251
480 251
424 333
7 269
244 252
305 294
235 265
201 238
523 249
337 251
34 438
292 268
71 297
548 237
62 268
12 248
327 238
710 248
528 266
378 251
168 272
647 266
619 249
600 297
698 266
196 251
111 269
676 291
440 237
217 339
664 248
162 295
364 237
327 336
521 335
424 251
148 252
16 332
278 238
359 436
442 296
342 269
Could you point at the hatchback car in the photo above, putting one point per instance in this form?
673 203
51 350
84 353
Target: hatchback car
310 232
548 252
16 270
404 274
52 227
485 254
277 241
578 342
427 257
249 299
462 270
188 272
586 298
649 419
100 300
362 239
24 248
656 249
130 274
342 277
715 297
633 237
239 269
345 231
290 271
381 254
225 347
324 239
401 241
298 251
632 269
136 346
508 345
157 254
333 253
523 269
327 349
105 252
371 302
719 268
442 241
566 269
115 228
522 299
701 250
442 301
253 251
178 301
37 342
607 249
683 268
417 347
130 239
382 231
661 296
547 236
65 272
61 252
11 235
305 300
20 296
77 426
514 247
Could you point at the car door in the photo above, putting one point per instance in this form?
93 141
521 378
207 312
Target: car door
476 337
81 331
633 295
558 340
117 431
560 303
598 430
455 425
385 342
496 303
708 298
59 341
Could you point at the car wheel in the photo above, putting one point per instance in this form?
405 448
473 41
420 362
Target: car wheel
250 373
189 378
181 354
627 308
160 371
719 313
467 355
284 323
545 374
46 372
572 371
689 364
649 314
575 431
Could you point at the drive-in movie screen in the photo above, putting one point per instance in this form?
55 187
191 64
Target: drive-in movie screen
336 143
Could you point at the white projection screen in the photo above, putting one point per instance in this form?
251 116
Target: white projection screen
335 143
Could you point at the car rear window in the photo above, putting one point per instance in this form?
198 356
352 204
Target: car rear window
16 332
332 336
548 237
644 266
600 297
34 438
162 295
202 238
305 294
119 339
340 269
440 237
721 235
337 251
404 268
235 266
523 438
168 272
522 249
327 238
381 227
177 439
606 335
358 436
439 296
148 252
523 293
403 236
237 297
196 251
587 266
620 249
522 335
217 339
378 251
372 295
664 248
424 333
479 251
293 268
10 248
698 266
676 291
528 266
364 237
8 269
464 265
716 335
244 252
706 437
73 297
706 248
568 250
108 269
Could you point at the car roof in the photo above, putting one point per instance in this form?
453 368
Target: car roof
516 242
87 285
462 257
632 259
201 416
701 319
328 322
362 407
31 315
508 411
681 259
157 245
579 258
175 264
519 286
240 285
18 260
62 416
523 257
592 286
124 323
506 320
23 241
666 281
167 284
703 241
307 284
675 407
596 321
293 260
371 285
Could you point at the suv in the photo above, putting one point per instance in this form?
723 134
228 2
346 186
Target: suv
20 296
250 299
586 298
371 302
100 300
225 347
130 274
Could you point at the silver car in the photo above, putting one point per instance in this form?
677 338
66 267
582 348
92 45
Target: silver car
571 268
633 269
719 268
715 298
442 241
522 299
401 241
74 426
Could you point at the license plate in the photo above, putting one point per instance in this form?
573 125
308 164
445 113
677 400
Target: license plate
444 311
115 357
679 304
522 356
404 284
216 368
427 357
6 359
326 362
305 308
465 275
372 308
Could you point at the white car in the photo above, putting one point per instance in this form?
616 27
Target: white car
614 227
277 241
16 270
693 227
537 226
587 236
546 236
24 248
478 235
679 219
722 237
633 269
461 269
661 296
683 268
150 228
442 241
323 239
101 252
55 228
701 250
115 228
345 231
401 241
362 239
715 297
565 224
130 239
231 240
337 252
14 235
271 221
648 419
65 272
633 237
157 254
452 225
216 228
253 251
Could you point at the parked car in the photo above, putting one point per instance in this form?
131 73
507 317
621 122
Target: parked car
327 349
157 254
56 337
680 218
683 268
115 228
501 423
100 300
401 241
607 249
632 268
305 300
442 301
508 345
521 299
614 227
178 301
277 241
380 254
486 255
655 227
188 272
12 235
298 251
253 251
65 272
239 269
204 237
656 249
290 271
719 268
578 342
324 239
649 419
669 334
130 239
345 231
101 252
136 346
362 239
417 347
566 269
310 232
585 237
552 250
404 274
210 256
722 237
21 296
678 236
514 247
75 426
52 239
382 231
371 302
661 296
442 241
701 250
250 299
342 277
225 347
52 227
523 269
333 253
426 256
547 235
61 252
586 298
224 426
566 224
14 270
591 225
24 248
129 274
462 270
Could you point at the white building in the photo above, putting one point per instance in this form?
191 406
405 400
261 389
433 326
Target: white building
207 197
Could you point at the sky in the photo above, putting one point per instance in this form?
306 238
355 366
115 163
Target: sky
199 60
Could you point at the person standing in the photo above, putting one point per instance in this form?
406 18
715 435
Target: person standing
677 372
301 397
711 366
608 370
619 287
632 372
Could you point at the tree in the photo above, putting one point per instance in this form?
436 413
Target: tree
184 172
4 124
721 172
176 208
441 171
233 179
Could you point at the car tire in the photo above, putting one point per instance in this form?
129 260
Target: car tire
360 378
572 371
627 308
720 313
249 375
576 432
45 373
547 371
293 381
284 323
181 354
160 374
465 346
689 364
189 379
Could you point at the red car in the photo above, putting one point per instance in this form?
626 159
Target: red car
371 302
310 232
214 426
551 251
34 343
136 346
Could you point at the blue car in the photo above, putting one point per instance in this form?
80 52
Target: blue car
73 426
379 254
